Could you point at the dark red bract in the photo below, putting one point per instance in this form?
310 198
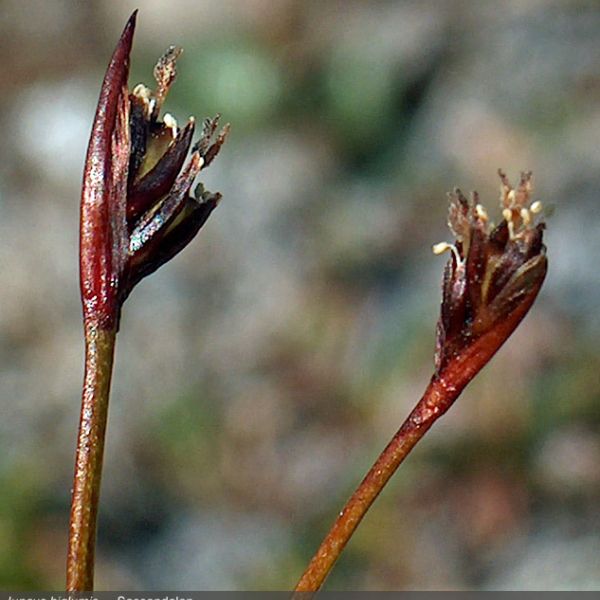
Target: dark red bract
137 211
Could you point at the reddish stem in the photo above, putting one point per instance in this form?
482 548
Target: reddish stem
443 389
432 405
99 353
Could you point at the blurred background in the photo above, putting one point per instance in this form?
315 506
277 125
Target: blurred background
260 373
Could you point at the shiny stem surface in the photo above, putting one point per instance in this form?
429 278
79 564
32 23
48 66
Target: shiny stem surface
99 353
436 400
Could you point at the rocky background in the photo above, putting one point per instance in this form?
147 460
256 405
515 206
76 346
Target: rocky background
260 373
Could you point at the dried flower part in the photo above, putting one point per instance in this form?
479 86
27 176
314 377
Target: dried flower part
494 273
147 190
182 231
136 210
165 73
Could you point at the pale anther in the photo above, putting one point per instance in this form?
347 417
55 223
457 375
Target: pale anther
145 95
481 212
507 213
150 107
141 91
536 207
170 121
442 247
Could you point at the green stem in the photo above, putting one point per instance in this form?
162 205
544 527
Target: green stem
99 353
437 399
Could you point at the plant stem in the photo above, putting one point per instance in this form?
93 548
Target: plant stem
99 353
437 399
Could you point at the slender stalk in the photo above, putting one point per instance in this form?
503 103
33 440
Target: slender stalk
99 353
437 399
131 223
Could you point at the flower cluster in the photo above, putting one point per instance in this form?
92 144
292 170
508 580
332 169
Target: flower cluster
137 209
494 273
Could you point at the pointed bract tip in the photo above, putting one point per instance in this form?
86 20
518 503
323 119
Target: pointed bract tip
126 38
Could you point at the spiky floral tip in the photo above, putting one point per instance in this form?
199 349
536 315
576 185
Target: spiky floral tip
493 276
137 211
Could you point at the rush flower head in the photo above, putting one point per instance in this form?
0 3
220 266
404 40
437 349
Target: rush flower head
493 276
137 208
490 282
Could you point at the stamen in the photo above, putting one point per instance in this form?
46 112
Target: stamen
201 162
525 216
510 197
507 213
536 207
145 95
151 107
442 247
170 121
481 212
141 91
